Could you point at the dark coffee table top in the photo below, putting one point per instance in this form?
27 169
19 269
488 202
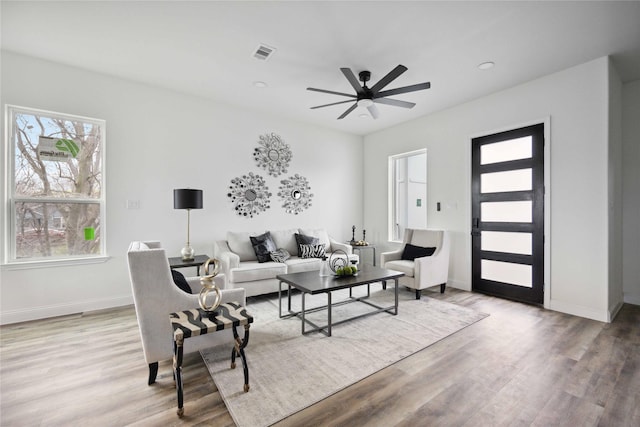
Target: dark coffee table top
311 282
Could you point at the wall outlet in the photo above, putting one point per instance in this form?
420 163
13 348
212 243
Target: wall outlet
133 204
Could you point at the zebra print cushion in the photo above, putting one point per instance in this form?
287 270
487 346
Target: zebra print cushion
281 255
312 251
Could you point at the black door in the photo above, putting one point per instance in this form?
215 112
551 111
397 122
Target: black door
507 191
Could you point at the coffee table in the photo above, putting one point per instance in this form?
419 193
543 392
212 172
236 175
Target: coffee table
310 282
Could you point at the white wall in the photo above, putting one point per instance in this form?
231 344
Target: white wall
631 191
576 101
615 190
159 140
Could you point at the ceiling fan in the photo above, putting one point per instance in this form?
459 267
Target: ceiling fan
368 97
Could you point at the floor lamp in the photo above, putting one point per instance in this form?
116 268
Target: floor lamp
186 198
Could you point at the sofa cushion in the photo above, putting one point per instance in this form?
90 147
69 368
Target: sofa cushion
250 271
285 239
263 245
280 255
240 244
404 266
321 234
298 265
303 239
312 251
412 252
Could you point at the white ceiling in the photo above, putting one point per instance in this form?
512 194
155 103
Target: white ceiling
206 47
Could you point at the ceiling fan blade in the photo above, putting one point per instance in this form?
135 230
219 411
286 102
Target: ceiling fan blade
331 92
405 89
334 103
350 109
393 74
352 79
394 102
373 110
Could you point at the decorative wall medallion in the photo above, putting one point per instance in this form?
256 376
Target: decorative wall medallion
295 194
249 194
273 154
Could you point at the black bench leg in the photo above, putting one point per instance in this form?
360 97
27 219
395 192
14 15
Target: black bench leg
153 372
418 293
442 287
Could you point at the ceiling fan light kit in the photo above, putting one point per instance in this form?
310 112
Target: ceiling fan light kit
366 97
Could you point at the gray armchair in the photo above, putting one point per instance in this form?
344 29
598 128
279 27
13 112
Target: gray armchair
424 272
156 296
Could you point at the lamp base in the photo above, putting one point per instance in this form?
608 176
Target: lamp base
187 253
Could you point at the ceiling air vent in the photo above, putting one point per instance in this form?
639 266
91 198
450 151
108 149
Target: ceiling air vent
264 52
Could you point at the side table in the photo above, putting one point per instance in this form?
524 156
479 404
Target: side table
194 322
360 248
197 261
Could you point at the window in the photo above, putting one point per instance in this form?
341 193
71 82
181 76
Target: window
407 192
55 182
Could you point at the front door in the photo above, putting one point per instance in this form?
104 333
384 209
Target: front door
507 191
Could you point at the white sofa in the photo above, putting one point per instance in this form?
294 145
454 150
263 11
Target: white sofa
156 296
422 272
241 268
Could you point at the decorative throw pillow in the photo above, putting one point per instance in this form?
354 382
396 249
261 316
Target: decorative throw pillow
180 281
280 255
263 245
412 252
312 251
302 239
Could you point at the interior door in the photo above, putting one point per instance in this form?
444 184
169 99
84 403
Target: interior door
507 191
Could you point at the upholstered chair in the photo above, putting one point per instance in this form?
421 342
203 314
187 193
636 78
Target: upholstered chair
156 296
423 272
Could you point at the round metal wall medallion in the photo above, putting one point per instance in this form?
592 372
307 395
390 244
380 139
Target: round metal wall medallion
272 154
249 194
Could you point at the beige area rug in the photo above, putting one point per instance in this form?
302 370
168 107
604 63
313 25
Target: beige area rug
289 372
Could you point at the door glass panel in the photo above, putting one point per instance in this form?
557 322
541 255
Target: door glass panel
514 180
513 149
506 211
507 272
502 241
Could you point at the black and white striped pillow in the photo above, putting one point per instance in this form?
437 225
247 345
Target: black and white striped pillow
312 251
281 255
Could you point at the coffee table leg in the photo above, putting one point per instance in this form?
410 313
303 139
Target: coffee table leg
329 314
303 321
177 369
396 282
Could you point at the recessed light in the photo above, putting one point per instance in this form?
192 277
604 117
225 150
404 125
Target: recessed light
363 115
486 65
259 84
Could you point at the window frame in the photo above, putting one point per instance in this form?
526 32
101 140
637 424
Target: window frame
9 258
391 203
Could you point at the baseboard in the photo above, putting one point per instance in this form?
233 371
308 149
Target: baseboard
458 284
43 312
632 299
613 312
579 310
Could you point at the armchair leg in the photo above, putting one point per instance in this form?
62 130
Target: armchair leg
418 293
153 372
442 287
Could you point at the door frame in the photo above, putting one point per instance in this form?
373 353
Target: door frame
547 199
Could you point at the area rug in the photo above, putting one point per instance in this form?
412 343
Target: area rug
289 372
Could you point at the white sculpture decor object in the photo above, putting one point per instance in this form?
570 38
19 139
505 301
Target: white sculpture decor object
272 154
295 194
249 194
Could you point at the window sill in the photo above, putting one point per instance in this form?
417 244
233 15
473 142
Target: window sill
64 262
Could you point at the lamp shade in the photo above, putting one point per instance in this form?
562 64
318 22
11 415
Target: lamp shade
187 198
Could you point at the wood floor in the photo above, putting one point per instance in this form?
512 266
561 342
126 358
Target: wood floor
521 366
